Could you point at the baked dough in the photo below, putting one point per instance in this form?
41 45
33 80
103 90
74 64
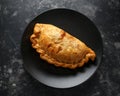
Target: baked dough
59 47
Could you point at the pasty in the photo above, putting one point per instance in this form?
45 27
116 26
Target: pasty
59 47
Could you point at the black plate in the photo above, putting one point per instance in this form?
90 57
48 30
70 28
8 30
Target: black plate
79 26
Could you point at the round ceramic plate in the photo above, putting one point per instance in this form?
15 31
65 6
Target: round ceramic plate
79 26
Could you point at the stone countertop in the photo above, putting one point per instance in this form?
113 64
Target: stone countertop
15 16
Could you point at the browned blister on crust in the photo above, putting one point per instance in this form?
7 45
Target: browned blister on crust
59 47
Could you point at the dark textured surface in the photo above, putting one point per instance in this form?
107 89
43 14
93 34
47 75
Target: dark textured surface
14 17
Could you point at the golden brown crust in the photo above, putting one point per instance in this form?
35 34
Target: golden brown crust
60 48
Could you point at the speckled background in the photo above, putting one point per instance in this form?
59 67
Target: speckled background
14 17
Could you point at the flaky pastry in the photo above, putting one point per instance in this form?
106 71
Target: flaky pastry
59 47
